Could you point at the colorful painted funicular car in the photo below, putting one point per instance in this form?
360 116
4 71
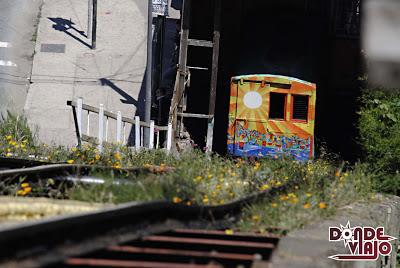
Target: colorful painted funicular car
271 115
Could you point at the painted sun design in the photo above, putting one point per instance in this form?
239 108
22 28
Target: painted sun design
252 101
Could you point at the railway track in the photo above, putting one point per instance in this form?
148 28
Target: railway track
152 234
182 248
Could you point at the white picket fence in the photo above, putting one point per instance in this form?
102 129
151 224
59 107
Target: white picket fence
105 126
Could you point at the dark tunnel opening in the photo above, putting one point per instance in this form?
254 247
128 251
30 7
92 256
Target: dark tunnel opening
300 39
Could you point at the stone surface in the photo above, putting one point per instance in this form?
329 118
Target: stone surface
310 246
112 74
18 19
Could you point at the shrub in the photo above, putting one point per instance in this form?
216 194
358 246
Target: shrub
379 127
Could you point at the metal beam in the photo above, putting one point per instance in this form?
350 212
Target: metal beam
149 69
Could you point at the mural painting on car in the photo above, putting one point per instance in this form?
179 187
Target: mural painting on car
271 115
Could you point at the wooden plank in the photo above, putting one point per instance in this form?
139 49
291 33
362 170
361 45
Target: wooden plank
119 127
79 115
214 74
181 74
201 116
101 128
200 43
82 262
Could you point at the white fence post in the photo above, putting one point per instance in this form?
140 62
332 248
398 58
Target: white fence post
101 127
158 139
79 105
151 135
107 128
119 126
169 137
137 132
88 124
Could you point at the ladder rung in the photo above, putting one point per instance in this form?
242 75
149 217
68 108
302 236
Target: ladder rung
200 43
201 116
198 68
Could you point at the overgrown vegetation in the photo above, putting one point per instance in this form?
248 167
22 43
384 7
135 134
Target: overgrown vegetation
320 186
379 128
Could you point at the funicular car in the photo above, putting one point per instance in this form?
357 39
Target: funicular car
271 115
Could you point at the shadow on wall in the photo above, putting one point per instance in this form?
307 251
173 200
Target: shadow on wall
140 109
128 99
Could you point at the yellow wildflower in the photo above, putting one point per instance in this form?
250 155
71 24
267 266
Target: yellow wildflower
117 156
206 200
176 199
198 179
257 166
256 218
264 187
117 165
21 193
278 183
27 190
283 197
274 205
74 149
229 231
24 185
308 194
209 176
307 205
9 154
8 137
97 157
294 200
71 161
322 205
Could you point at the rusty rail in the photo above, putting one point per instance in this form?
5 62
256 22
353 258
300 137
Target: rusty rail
182 248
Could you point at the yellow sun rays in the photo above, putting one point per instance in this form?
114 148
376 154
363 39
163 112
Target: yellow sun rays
243 111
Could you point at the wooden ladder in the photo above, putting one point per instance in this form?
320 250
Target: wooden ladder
178 108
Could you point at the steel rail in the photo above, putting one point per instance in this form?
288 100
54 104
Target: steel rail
67 172
9 163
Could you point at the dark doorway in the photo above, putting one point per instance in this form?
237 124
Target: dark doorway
292 38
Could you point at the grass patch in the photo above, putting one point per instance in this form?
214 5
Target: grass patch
321 186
